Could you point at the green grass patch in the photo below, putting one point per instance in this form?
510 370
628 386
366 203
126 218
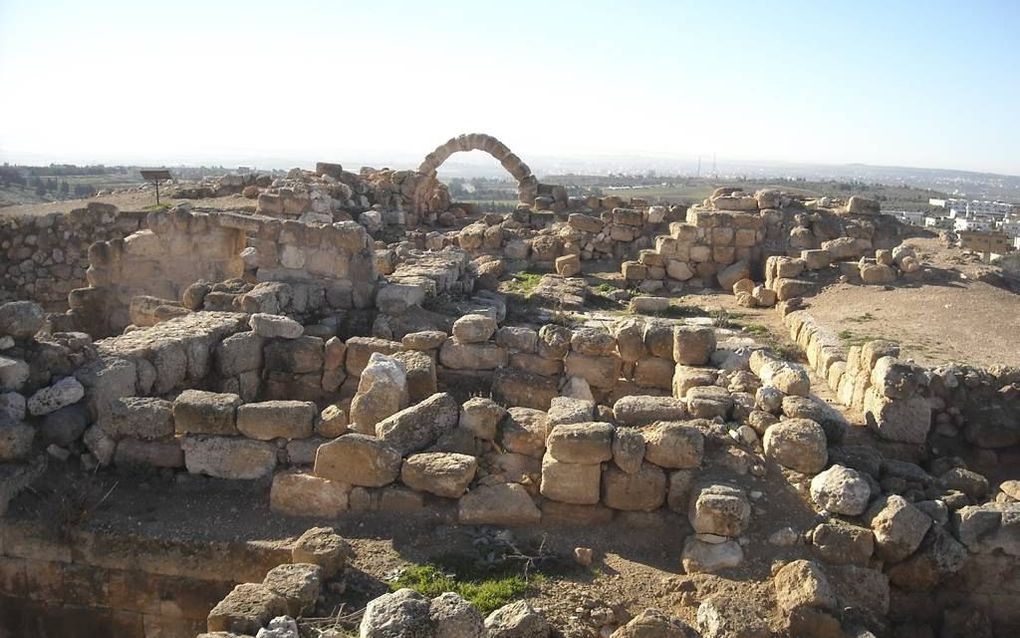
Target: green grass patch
486 594
757 329
523 283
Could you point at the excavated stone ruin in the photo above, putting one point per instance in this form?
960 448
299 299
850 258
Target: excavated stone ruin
343 353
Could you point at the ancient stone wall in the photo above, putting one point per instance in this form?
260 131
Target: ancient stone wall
99 583
45 257
324 265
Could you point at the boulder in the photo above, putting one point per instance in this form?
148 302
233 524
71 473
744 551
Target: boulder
841 490
584 443
481 417
300 494
201 412
899 527
298 583
382 392
524 431
693 345
570 410
674 445
323 547
454 617
570 482
843 544
474 328
702 557
21 319
401 614
652 623
644 490
228 457
628 449
61 394
721 510
418 426
498 504
802 583
472 356
797 444
246 609
732 274
358 459
275 326
439 473
516 620
146 418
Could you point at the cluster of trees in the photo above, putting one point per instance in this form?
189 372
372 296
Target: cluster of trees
11 176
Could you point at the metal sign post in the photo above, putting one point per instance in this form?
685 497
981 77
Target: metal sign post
155 176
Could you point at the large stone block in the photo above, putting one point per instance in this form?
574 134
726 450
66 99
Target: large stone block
472 356
722 510
137 453
300 494
228 457
644 490
524 431
693 345
584 443
357 459
570 482
598 371
269 420
499 504
200 412
443 474
297 356
418 426
674 445
246 609
797 444
904 420
239 353
146 418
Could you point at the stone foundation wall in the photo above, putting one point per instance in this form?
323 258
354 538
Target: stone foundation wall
45 257
106 584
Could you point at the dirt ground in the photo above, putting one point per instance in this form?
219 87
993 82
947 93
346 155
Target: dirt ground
127 201
637 555
945 316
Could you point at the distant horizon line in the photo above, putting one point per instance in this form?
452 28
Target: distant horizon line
286 163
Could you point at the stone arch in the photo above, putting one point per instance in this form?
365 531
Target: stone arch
527 184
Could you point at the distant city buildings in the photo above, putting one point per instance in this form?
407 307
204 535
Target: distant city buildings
972 215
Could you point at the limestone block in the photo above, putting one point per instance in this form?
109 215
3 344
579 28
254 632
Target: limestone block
637 410
418 426
644 490
797 444
580 443
357 459
268 420
570 482
693 345
443 474
145 418
674 445
201 412
499 504
228 457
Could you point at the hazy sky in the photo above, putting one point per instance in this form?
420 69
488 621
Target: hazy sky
933 84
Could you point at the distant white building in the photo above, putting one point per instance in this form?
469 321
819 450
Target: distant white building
965 224
912 217
976 207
